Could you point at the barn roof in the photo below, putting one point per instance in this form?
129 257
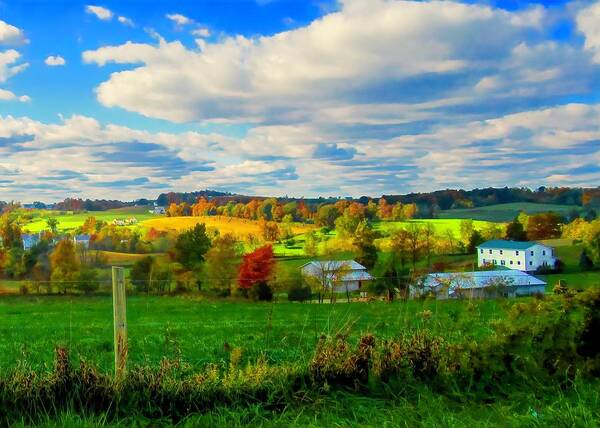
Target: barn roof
481 279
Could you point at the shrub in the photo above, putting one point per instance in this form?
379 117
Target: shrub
299 294
261 292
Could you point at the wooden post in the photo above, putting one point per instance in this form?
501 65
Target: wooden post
120 320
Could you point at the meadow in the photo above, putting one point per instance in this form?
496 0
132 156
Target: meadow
504 212
201 332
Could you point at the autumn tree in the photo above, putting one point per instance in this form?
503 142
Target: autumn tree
191 246
222 262
363 241
310 243
326 216
52 224
269 230
10 232
65 264
257 266
544 226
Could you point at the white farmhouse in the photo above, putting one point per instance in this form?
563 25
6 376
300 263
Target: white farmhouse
343 275
481 284
523 256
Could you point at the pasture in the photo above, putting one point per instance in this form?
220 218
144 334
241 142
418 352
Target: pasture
200 332
505 212
68 221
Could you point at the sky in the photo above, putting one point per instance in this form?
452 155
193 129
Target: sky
128 99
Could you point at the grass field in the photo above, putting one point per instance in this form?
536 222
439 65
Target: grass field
197 331
68 220
440 225
504 212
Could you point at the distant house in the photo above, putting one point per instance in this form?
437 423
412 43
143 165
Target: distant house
482 284
158 210
29 241
343 275
83 240
523 256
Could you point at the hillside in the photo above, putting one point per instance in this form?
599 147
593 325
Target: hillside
505 212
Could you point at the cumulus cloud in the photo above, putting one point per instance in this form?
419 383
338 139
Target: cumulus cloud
100 12
11 35
201 32
179 19
588 22
9 67
55 60
6 95
369 52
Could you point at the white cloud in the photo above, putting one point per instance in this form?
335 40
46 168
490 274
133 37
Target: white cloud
8 66
179 19
363 53
100 12
11 35
6 95
125 21
55 60
201 32
588 22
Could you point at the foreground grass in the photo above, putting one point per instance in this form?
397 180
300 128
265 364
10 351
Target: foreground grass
200 331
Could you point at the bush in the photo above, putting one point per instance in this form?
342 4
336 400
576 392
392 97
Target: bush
261 292
299 294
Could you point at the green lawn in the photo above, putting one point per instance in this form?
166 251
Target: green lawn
199 331
441 226
504 212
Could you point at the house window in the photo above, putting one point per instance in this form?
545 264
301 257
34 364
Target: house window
519 263
481 251
502 262
500 251
490 251
511 262
517 252
530 263
543 252
495 262
532 253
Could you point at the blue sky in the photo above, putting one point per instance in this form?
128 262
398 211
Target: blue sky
126 99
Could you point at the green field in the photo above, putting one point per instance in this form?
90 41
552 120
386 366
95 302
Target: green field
504 212
197 330
68 221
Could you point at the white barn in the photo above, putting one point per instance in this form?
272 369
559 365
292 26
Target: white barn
524 256
481 284
344 275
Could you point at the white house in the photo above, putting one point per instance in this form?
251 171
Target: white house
158 210
344 275
83 240
481 284
524 256
30 241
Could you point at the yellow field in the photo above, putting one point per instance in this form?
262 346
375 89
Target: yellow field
232 225
114 258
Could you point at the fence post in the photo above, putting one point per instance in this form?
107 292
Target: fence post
120 320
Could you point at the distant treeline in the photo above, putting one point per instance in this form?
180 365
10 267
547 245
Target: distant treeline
428 203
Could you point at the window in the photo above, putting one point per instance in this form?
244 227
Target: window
519 262
544 253
502 262
500 251
481 251
495 261
490 251
531 253
511 262
517 252
530 263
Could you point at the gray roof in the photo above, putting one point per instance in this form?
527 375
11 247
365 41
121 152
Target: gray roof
335 264
508 245
353 271
481 279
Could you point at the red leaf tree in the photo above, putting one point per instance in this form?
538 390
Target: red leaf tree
256 267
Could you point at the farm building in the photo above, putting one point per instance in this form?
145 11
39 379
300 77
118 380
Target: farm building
83 240
343 275
482 284
29 241
523 256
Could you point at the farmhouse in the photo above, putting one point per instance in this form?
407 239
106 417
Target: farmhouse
523 256
482 284
29 241
343 275
83 240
